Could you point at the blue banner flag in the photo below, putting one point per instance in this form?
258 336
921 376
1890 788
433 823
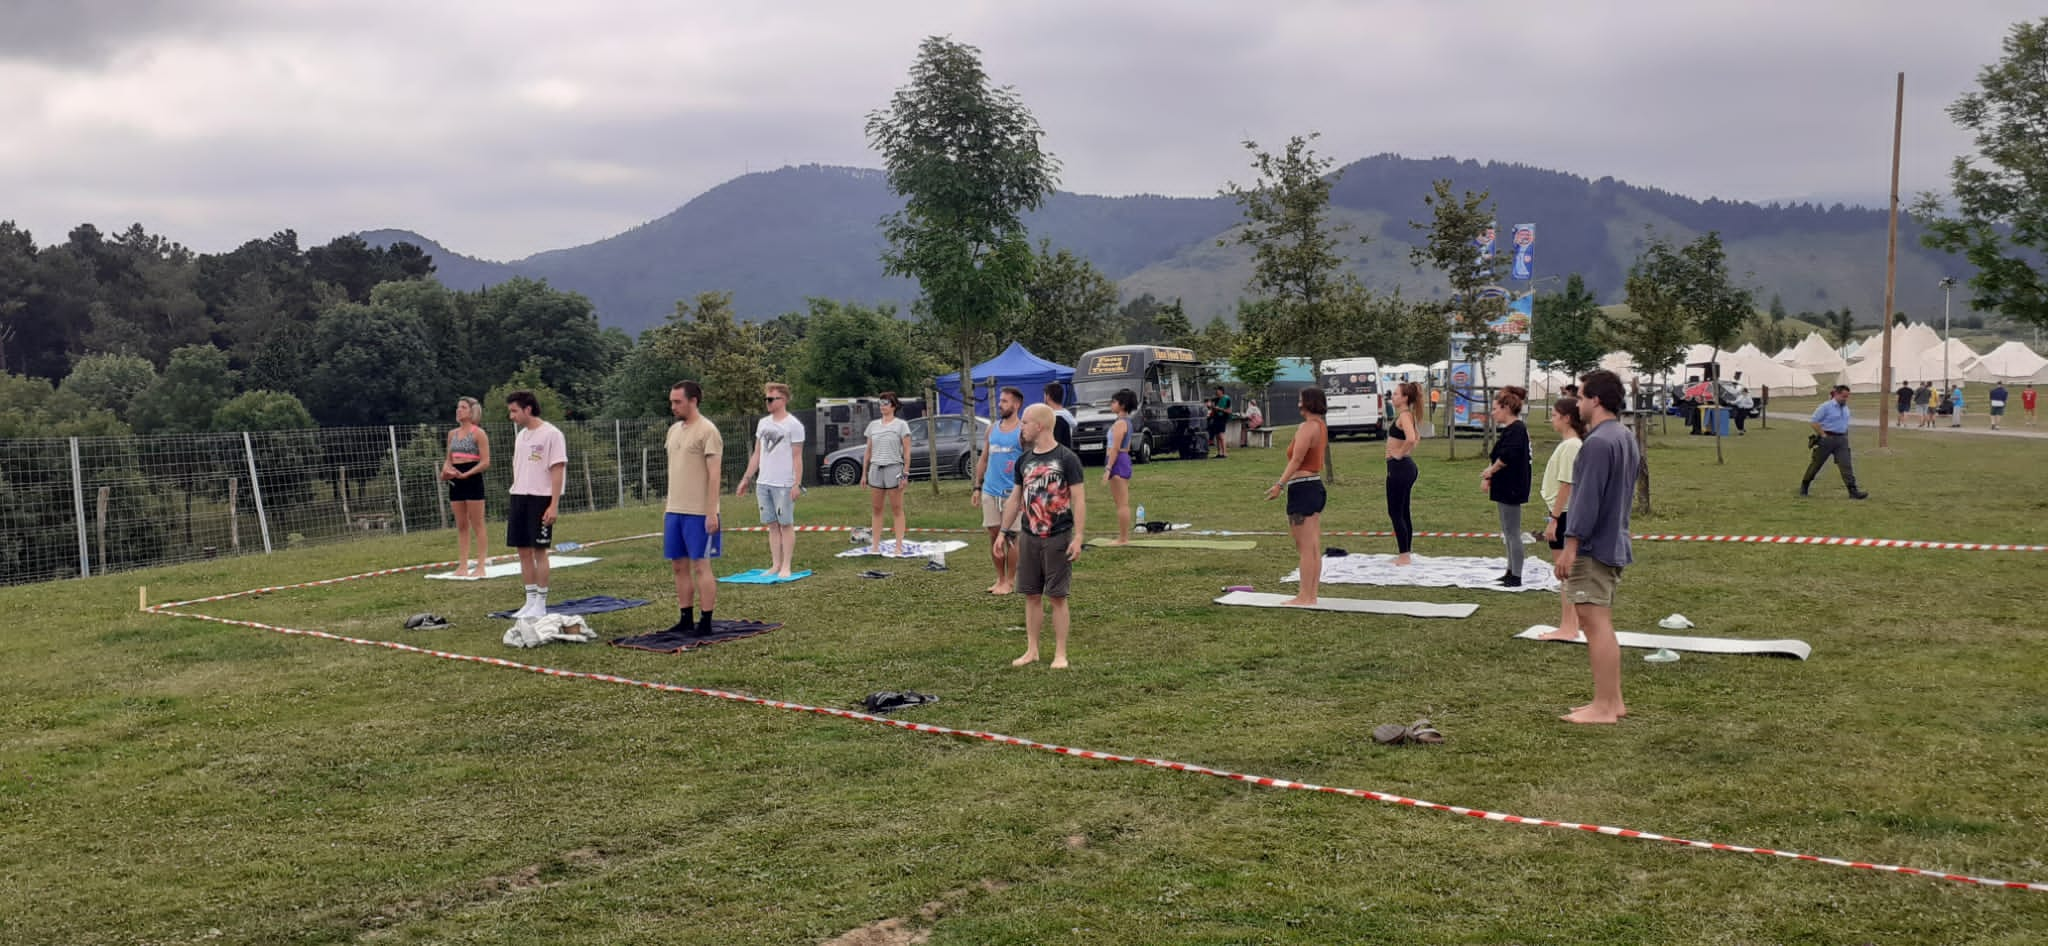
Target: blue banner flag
1525 258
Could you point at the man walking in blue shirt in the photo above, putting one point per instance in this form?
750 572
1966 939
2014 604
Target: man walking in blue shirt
1831 439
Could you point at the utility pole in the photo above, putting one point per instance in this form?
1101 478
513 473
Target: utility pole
1891 274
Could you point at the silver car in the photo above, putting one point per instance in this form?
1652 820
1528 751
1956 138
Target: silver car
955 450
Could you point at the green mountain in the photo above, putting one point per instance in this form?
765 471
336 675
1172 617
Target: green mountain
775 238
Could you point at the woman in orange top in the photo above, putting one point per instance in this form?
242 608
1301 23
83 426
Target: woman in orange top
1303 481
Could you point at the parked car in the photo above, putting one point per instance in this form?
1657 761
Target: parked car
841 467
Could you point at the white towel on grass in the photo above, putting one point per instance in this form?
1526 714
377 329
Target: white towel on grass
551 629
1432 572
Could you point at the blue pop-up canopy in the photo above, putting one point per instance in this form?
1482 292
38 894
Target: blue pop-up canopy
1015 366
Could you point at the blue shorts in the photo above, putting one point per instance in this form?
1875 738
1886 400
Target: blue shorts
683 536
776 503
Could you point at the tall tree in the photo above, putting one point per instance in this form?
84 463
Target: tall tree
728 356
195 383
371 366
1070 307
2001 215
1447 246
1297 271
1716 306
1657 328
111 382
853 350
1563 333
1840 325
965 157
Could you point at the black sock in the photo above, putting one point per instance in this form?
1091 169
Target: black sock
684 624
704 622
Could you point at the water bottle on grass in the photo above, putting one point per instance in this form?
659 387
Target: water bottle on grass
1141 513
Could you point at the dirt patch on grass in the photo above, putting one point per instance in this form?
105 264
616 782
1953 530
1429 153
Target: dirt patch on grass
910 931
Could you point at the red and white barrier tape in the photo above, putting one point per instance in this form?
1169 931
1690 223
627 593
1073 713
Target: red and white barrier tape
1099 756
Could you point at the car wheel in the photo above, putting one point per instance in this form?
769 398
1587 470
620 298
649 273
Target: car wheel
846 473
1144 452
966 466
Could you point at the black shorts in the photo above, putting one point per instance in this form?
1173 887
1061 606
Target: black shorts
1217 425
1305 498
469 489
523 528
1558 543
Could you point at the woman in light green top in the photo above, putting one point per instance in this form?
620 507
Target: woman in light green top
1557 497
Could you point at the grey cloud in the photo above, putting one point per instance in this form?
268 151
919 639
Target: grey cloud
86 33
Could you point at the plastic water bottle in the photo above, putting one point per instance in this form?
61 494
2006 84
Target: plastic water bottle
1141 512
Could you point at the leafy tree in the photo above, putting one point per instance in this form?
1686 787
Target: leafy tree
262 410
1563 331
1447 247
1841 326
1070 307
1215 342
371 366
111 382
2001 220
856 350
1710 298
727 357
527 377
1659 324
965 157
1172 324
523 319
1254 364
195 383
1777 308
638 387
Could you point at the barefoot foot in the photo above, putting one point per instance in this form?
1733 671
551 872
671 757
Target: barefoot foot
1559 635
1299 602
1580 709
1059 662
1001 590
1588 716
1029 658
1403 560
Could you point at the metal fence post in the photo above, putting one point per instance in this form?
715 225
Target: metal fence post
619 456
256 489
397 479
78 506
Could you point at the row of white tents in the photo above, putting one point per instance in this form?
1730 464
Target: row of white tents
1918 354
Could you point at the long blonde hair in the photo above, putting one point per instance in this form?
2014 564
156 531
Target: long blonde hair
475 408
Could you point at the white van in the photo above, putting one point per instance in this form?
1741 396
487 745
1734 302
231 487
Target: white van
1352 386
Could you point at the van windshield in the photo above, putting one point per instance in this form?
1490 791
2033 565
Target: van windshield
1096 393
1364 382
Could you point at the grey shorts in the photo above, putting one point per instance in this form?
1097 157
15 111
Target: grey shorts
886 476
992 510
777 504
1042 566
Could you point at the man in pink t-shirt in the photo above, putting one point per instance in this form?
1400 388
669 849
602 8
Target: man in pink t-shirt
2027 403
540 457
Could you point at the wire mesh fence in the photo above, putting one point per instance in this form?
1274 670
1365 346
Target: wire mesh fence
83 506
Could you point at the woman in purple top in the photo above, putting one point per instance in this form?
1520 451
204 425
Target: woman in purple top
1122 435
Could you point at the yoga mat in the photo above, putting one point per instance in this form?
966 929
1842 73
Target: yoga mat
1138 543
511 569
1413 609
1697 645
595 604
1434 572
910 549
675 642
762 576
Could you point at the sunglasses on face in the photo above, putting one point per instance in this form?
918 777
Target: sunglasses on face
774 397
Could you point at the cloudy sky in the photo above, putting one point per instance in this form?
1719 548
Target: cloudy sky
506 127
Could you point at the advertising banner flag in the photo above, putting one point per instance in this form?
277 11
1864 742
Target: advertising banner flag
1525 257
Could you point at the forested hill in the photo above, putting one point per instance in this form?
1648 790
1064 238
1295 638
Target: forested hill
775 238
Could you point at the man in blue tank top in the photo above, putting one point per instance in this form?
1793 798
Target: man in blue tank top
997 474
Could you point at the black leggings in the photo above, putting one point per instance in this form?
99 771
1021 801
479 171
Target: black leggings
1401 475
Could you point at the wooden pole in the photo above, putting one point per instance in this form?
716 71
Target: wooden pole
101 525
234 512
1891 273
341 487
589 486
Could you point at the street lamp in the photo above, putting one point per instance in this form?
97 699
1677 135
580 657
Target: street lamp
1947 283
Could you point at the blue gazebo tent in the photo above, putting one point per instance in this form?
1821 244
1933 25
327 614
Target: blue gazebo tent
1015 366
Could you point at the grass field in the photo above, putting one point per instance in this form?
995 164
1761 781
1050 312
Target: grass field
172 781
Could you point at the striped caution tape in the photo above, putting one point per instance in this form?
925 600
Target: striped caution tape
1095 755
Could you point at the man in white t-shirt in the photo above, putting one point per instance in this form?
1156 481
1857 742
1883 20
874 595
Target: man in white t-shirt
778 459
540 458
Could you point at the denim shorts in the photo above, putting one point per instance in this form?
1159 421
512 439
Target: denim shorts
777 504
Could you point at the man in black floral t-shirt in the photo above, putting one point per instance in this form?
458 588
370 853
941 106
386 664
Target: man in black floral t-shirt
1048 503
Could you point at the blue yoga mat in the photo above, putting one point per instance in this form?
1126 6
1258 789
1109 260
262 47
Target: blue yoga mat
596 604
761 576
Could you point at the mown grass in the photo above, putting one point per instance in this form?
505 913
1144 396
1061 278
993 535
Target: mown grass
168 780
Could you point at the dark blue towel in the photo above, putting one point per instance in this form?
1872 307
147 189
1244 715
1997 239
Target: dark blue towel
675 642
595 604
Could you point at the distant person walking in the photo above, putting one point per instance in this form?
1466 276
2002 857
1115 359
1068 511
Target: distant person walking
1905 395
777 457
1997 400
1219 421
2027 402
1116 473
1055 394
1302 480
1402 437
1955 406
888 452
1923 401
1596 539
997 474
1566 420
540 461
469 455
1831 439
1506 479
691 533
1046 515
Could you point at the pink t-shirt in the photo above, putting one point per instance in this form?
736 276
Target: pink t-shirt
534 452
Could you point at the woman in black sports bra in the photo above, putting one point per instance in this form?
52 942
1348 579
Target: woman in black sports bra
1402 437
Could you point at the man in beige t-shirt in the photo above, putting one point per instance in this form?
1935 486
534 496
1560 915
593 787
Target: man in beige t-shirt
690 529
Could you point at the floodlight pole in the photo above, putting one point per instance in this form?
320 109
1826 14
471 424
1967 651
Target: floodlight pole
1891 272
1947 283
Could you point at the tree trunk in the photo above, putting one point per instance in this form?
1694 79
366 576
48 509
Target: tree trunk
1714 397
1643 473
966 407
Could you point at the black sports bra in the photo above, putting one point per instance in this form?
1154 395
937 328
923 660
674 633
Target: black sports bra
1395 432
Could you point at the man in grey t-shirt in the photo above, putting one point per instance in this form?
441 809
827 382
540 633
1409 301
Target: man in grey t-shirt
1596 540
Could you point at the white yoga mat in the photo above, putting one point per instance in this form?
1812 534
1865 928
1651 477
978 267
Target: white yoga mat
1698 645
1434 572
1413 609
910 549
511 569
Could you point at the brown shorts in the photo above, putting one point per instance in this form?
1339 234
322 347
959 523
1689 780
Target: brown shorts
1591 582
1042 566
